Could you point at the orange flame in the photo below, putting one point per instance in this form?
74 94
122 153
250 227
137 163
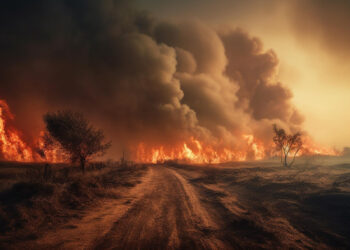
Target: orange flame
310 148
12 147
195 151
52 154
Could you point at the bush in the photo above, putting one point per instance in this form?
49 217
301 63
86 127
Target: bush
23 191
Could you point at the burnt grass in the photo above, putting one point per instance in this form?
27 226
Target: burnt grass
258 205
33 200
306 206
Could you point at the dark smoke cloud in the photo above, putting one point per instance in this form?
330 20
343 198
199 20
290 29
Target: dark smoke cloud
324 21
140 79
89 55
255 71
231 10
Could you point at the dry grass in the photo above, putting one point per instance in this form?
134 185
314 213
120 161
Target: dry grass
257 205
264 205
32 200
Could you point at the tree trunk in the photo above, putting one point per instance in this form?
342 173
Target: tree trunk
294 157
285 159
82 164
281 156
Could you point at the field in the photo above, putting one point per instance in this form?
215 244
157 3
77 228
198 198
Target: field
176 206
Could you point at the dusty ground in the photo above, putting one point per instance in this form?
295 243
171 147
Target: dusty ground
231 206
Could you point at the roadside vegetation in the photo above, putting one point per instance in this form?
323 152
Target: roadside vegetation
32 202
35 197
263 205
287 145
72 134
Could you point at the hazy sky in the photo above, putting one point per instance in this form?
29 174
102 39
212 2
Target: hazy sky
311 40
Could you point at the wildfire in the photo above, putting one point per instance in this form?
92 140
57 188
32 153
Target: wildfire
14 148
195 151
310 148
256 146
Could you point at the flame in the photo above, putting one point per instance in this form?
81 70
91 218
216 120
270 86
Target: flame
195 151
12 147
256 146
311 148
53 155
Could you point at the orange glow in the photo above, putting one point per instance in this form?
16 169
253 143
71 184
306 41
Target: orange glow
195 151
256 146
310 148
49 155
12 147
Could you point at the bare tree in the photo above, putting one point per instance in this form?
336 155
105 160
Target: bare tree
287 144
75 136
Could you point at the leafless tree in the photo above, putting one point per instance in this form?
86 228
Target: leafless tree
287 144
74 135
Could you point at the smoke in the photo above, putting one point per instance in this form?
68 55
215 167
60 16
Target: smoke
325 21
140 79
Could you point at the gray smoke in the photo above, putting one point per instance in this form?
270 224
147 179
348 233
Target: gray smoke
140 79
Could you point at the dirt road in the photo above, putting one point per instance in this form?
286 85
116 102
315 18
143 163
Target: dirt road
216 207
163 212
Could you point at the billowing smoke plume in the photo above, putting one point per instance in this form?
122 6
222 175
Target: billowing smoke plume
141 80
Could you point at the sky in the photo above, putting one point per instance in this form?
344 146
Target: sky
311 40
165 73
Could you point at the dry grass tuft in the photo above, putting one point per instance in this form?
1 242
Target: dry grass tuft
34 198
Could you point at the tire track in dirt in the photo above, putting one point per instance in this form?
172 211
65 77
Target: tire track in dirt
168 216
82 233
